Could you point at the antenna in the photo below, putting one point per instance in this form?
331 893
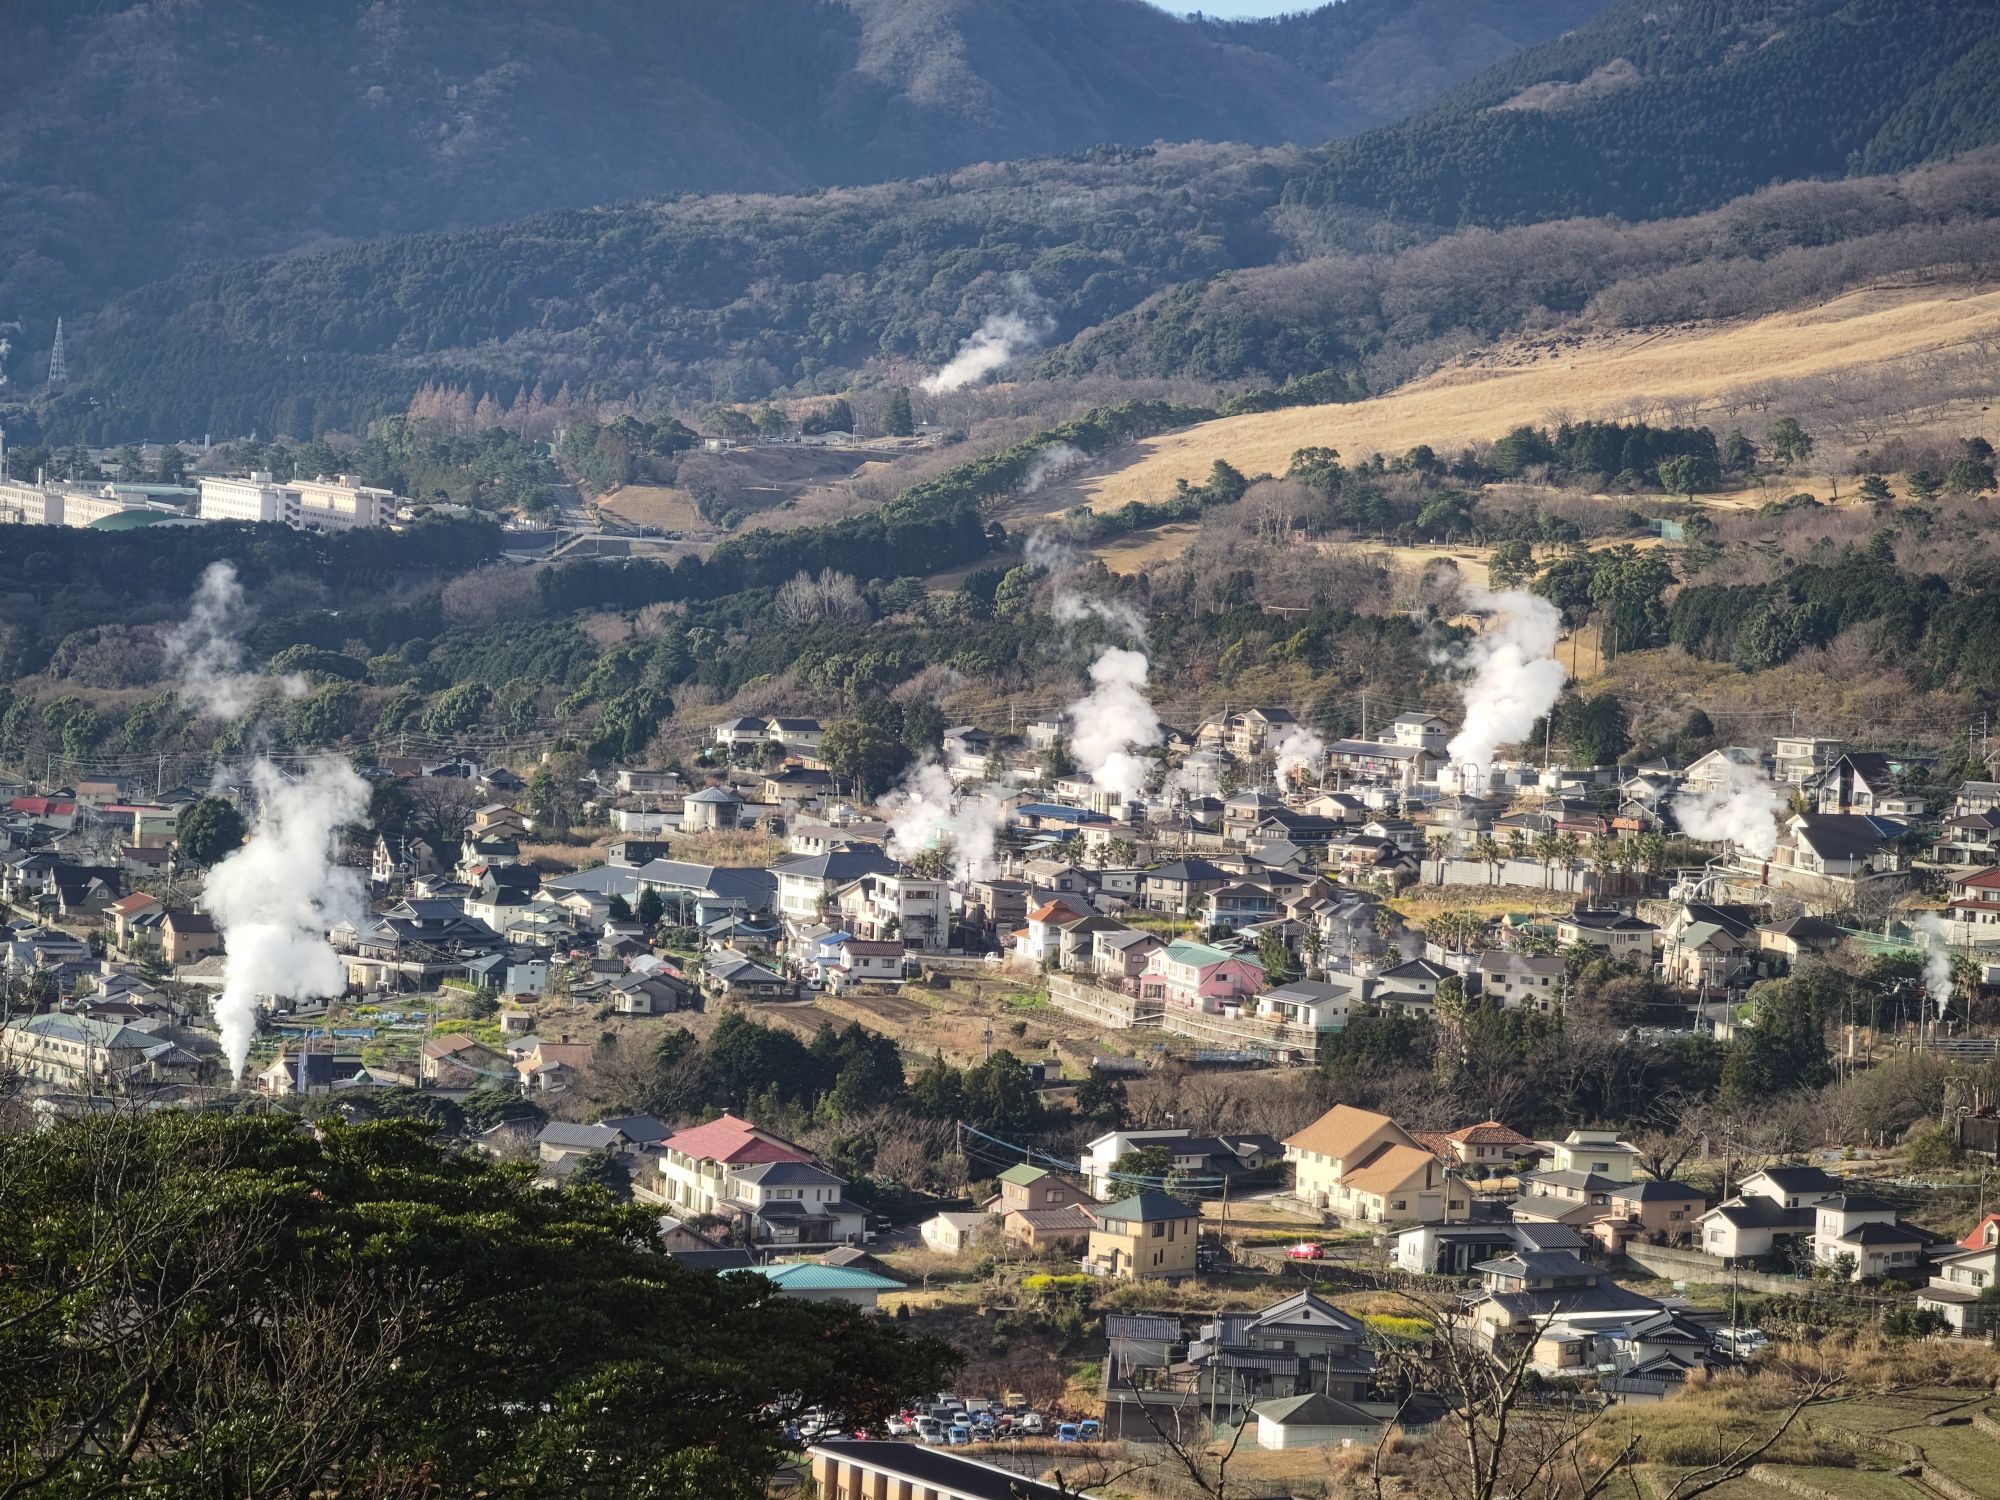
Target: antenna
58 365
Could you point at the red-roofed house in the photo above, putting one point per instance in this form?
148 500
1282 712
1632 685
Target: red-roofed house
127 914
45 810
1985 1234
730 1168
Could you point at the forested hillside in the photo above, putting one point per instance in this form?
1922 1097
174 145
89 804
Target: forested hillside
1668 108
137 136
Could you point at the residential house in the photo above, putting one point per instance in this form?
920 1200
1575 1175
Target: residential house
1522 981
736 977
1246 735
1187 1153
1865 783
1866 1231
1706 946
1122 954
798 736
1194 976
730 1168
740 733
650 992
1389 763
1037 1229
549 1067
1585 1168
1528 1292
1800 938
1454 1249
1147 1236
1802 759
1315 1004
1365 1167
634 781
1718 767
858 962
1620 937
1025 1187
187 937
1486 1148
807 883
1771 1213
75 1053
1180 885
1241 904
1039 941
793 785
1411 987
911 908
1973 913
134 914
813 1282
954 1231
711 808
457 1061
1661 1213
1959 1288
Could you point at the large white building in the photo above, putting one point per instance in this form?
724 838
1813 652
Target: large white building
321 504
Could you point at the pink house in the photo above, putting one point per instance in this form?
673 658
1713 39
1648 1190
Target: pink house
1194 976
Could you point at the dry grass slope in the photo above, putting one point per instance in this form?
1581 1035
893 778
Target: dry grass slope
1485 395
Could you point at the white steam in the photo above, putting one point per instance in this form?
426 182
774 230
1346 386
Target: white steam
996 342
1299 753
274 899
1113 720
1062 563
1515 677
1739 807
1937 962
205 651
927 810
1052 462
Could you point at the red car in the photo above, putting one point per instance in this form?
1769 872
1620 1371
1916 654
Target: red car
1306 1250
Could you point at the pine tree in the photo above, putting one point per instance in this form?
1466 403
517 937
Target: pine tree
897 420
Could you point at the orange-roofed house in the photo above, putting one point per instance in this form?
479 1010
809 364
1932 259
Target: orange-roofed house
1489 1145
128 915
1984 1236
1366 1168
549 1066
1041 939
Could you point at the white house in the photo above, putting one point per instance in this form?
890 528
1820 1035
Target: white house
1865 1228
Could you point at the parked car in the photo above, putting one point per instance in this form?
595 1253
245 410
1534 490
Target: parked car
958 1434
1031 1421
1014 1401
1066 1433
1089 1430
1306 1250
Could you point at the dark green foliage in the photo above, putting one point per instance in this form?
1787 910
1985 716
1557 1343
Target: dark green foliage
453 1329
1683 110
208 831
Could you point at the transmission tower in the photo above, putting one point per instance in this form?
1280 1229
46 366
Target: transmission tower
58 365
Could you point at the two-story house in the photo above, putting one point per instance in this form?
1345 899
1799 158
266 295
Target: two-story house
1962 1282
1187 975
807 883
1148 1236
1585 1168
1619 936
1868 1231
1522 981
1365 1167
731 1169
1771 1212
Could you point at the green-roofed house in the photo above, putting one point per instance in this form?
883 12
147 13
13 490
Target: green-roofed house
1194 976
1026 1188
814 1282
1145 1237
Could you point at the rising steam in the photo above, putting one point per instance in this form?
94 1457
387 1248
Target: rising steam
275 898
1515 677
1937 962
1299 753
205 651
1052 462
1739 808
928 812
1113 720
1000 339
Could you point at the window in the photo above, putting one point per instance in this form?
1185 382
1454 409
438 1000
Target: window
1159 1230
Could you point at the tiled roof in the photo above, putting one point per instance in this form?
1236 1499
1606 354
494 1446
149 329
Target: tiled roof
731 1140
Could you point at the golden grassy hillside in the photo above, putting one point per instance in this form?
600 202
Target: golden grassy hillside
1486 394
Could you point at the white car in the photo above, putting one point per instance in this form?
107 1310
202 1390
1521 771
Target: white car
1029 1421
930 1430
899 1428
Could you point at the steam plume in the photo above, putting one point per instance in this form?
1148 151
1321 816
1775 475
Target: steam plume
1515 675
1113 720
274 899
1937 962
1061 562
1741 808
205 651
1298 751
1052 462
997 341
927 810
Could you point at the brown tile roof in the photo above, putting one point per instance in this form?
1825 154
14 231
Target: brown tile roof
1344 1130
1389 1167
1489 1133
